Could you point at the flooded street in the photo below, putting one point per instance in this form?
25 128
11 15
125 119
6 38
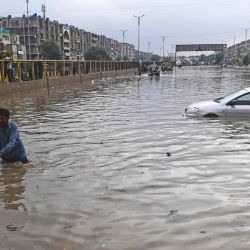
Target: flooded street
101 176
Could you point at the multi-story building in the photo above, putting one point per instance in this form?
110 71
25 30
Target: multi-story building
10 46
130 52
126 51
144 56
72 42
239 50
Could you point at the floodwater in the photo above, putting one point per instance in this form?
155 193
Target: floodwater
101 176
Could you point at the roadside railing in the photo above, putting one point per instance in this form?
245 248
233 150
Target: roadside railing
20 71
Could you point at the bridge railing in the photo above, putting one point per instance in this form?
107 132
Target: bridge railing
20 71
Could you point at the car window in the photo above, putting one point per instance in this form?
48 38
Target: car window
244 100
231 96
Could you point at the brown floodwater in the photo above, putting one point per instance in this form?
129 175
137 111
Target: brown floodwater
101 177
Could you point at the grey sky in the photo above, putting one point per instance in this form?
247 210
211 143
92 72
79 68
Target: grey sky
182 21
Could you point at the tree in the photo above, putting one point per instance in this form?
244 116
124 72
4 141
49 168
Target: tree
51 51
125 58
203 58
118 58
219 58
96 54
246 60
155 58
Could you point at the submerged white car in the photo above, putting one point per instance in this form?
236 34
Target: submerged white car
235 104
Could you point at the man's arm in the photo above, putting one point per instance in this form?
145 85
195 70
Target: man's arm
12 140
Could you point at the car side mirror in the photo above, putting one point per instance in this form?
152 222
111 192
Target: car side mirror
233 103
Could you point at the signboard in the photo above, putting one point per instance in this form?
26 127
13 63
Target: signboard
4 31
200 47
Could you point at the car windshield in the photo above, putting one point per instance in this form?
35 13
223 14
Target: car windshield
231 96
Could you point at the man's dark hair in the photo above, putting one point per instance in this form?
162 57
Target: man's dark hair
5 112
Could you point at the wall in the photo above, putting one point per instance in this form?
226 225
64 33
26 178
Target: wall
14 89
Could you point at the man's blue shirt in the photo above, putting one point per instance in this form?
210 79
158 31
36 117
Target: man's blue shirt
11 145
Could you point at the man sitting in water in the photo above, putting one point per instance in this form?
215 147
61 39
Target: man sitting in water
11 146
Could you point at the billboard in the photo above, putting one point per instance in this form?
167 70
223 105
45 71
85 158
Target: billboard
200 47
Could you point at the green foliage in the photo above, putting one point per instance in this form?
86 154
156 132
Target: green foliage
118 58
155 58
203 58
125 58
51 51
96 54
246 60
219 58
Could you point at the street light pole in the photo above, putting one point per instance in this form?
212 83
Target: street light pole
163 46
224 53
148 49
234 48
139 23
172 56
24 40
27 2
123 38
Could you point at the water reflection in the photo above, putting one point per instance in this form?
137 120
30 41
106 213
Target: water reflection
12 186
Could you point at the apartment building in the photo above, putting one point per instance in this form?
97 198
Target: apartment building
10 46
72 41
238 50
126 51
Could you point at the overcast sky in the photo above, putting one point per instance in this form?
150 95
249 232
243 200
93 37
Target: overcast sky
182 21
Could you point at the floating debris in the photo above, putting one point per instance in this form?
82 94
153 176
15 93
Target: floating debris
64 177
12 228
203 232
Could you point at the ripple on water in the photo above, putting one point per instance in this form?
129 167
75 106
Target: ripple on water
102 177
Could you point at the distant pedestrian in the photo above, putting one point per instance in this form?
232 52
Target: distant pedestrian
11 146
9 71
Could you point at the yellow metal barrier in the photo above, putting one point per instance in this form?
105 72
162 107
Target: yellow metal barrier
19 71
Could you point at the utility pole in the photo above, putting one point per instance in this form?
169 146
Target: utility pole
123 38
246 30
44 10
139 23
27 2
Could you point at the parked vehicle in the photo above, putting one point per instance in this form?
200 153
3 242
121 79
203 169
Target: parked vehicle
179 64
235 104
166 67
153 70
